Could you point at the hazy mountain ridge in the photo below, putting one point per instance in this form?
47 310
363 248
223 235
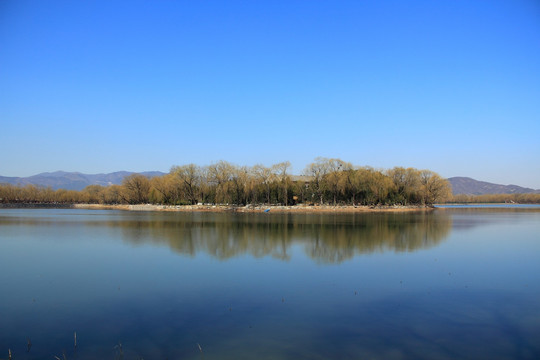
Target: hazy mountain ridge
73 180
469 186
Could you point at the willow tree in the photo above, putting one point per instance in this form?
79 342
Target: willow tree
206 191
336 175
136 189
283 178
188 177
72 197
165 189
241 185
380 186
407 184
8 193
317 171
433 187
220 175
113 194
92 194
265 177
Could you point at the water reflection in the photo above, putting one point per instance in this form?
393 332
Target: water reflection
329 239
324 238
110 277
467 218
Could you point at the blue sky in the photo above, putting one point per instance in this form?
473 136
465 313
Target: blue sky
100 86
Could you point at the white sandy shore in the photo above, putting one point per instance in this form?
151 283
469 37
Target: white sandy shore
257 209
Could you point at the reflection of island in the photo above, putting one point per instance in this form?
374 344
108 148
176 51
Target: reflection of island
325 238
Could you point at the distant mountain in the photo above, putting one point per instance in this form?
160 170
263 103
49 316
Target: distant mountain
73 180
466 185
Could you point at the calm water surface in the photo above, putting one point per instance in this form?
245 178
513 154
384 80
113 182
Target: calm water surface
455 283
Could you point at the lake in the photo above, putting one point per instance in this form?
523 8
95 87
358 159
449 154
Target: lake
454 283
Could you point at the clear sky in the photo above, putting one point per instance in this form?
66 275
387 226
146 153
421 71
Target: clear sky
100 86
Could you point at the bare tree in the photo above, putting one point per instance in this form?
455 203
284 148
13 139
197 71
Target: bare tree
166 187
317 171
407 182
280 174
189 178
136 188
220 175
434 188
335 175
265 176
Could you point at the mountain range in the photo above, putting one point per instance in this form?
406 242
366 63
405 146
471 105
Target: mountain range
468 186
73 180
78 181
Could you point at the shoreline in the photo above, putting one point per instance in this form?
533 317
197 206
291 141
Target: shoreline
298 209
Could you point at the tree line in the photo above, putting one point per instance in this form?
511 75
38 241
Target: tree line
325 181
526 198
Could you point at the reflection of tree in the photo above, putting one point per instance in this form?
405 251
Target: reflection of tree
325 238
370 233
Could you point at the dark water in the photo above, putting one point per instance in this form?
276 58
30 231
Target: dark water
455 283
